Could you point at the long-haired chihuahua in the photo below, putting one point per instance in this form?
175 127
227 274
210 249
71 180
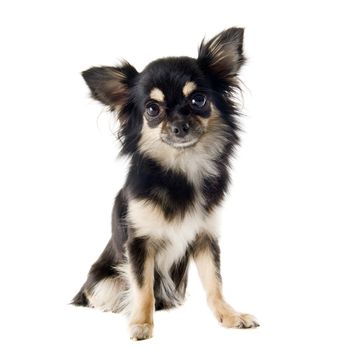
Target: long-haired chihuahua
178 125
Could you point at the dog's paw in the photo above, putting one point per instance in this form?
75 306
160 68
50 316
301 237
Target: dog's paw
235 319
141 331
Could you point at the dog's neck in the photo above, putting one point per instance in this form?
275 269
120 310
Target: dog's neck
196 162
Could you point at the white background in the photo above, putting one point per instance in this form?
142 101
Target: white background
285 224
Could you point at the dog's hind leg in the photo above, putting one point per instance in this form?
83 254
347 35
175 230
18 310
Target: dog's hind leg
105 287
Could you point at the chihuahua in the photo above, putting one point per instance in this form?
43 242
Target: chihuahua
178 125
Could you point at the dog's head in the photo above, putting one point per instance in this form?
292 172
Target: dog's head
174 102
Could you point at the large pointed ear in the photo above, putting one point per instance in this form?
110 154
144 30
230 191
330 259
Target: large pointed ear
222 56
110 85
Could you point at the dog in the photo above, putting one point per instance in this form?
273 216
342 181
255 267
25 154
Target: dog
178 126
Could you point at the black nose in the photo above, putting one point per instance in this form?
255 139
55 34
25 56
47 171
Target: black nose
180 128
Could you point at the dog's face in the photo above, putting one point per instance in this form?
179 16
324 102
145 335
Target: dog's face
175 98
174 101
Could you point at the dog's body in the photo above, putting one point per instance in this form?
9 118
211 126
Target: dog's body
177 123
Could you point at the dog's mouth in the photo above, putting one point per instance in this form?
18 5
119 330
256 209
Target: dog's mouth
180 142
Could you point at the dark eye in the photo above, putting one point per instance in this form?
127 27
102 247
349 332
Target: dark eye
198 100
152 109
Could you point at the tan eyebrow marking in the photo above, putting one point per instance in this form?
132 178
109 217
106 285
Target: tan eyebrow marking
189 87
157 94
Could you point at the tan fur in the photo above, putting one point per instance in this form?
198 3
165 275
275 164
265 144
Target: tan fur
221 52
188 88
157 94
224 313
117 88
141 318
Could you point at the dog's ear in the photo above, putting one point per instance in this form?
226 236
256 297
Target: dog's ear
222 56
110 85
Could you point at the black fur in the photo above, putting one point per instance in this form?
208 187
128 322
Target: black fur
119 224
80 299
169 189
138 251
179 275
147 180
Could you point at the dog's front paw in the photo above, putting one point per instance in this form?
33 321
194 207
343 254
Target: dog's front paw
141 331
238 320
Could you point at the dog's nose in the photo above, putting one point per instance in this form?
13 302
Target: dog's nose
180 128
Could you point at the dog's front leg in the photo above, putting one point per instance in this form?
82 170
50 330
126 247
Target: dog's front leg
206 254
141 261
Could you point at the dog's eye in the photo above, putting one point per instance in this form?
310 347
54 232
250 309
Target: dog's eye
152 109
198 100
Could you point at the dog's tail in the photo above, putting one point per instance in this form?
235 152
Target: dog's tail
80 299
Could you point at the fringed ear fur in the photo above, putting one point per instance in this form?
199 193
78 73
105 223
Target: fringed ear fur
222 56
110 85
